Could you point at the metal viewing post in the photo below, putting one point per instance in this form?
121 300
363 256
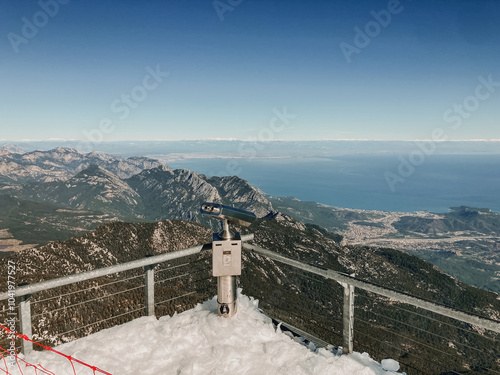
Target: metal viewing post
226 256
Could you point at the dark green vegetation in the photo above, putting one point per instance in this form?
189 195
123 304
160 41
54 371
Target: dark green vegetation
473 261
40 212
61 315
480 274
47 209
382 328
61 193
472 257
331 218
40 223
480 220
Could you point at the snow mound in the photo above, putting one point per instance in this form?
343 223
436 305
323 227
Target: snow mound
390 364
198 342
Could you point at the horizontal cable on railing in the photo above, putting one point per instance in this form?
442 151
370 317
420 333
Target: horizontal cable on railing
384 354
449 324
429 332
181 265
172 278
399 321
185 274
185 284
398 349
399 306
392 346
101 321
70 321
88 301
302 317
331 316
410 325
323 329
174 298
406 338
86 289
171 268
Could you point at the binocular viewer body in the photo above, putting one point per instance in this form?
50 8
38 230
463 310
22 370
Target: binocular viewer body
226 253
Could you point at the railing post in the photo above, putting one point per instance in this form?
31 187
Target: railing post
25 323
150 289
348 318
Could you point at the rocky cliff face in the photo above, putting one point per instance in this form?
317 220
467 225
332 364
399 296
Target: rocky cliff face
134 189
243 195
93 189
62 163
176 194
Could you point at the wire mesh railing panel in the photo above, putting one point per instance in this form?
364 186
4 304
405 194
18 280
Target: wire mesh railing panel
69 312
308 302
66 313
422 341
182 283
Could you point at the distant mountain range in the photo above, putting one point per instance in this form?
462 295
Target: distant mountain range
56 194
61 163
50 185
464 242
208 148
49 197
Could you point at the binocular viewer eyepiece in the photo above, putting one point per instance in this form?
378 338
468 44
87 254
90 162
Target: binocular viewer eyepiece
231 214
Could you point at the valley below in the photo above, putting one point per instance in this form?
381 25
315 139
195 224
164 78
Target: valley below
465 242
53 195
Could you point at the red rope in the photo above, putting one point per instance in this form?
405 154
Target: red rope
69 358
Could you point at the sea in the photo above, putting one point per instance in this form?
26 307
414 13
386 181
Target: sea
371 182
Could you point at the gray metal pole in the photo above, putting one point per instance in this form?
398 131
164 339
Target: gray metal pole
348 318
150 289
226 295
25 323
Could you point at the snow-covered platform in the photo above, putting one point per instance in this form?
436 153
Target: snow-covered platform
197 341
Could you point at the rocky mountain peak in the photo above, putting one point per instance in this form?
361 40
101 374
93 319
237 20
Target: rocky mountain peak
62 163
95 171
10 149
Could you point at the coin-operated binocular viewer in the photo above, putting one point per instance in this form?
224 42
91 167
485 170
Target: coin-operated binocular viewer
226 255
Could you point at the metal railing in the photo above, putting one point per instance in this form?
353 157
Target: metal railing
350 285
25 292
371 294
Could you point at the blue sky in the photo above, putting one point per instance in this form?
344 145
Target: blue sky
232 65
